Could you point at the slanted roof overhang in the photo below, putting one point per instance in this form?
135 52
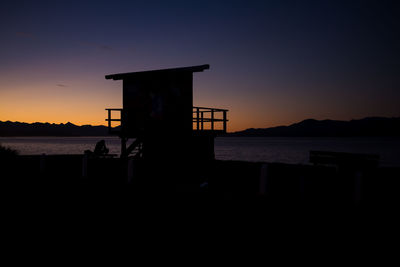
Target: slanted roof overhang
121 76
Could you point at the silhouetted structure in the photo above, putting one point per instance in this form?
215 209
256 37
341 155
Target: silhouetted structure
158 113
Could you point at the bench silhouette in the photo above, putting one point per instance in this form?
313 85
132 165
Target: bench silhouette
344 159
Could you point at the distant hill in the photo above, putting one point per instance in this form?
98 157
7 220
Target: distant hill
373 126
9 128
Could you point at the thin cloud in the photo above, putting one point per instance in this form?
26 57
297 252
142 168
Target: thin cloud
62 85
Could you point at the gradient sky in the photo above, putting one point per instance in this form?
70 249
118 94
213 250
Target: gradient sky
272 62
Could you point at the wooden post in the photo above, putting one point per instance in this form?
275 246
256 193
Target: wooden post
302 188
202 123
85 166
224 120
212 119
263 179
197 118
123 146
130 170
43 164
109 119
357 187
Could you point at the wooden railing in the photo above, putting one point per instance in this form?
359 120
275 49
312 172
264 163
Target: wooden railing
110 119
204 119
209 119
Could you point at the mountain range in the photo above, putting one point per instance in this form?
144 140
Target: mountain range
9 128
372 126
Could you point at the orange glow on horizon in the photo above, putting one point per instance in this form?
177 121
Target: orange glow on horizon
83 101
57 104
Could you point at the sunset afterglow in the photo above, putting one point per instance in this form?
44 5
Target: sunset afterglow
271 62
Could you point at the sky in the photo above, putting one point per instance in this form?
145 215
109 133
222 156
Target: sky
271 62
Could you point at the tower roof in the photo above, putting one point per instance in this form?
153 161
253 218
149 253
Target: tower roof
121 76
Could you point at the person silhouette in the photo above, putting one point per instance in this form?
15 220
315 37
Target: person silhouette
99 150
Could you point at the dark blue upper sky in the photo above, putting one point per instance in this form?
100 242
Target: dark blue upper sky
272 62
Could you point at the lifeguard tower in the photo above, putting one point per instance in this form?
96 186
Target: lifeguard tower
159 117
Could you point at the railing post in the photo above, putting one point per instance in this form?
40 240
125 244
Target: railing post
212 119
109 119
202 122
197 118
224 120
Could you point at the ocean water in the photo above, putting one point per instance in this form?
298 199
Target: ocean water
267 149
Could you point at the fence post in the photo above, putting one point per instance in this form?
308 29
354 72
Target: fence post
263 179
85 165
130 170
123 146
358 187
43 164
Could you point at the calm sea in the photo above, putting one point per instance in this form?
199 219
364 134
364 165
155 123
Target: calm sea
268 149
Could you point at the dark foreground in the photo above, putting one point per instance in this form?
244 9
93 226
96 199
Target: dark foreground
216 203
265 186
